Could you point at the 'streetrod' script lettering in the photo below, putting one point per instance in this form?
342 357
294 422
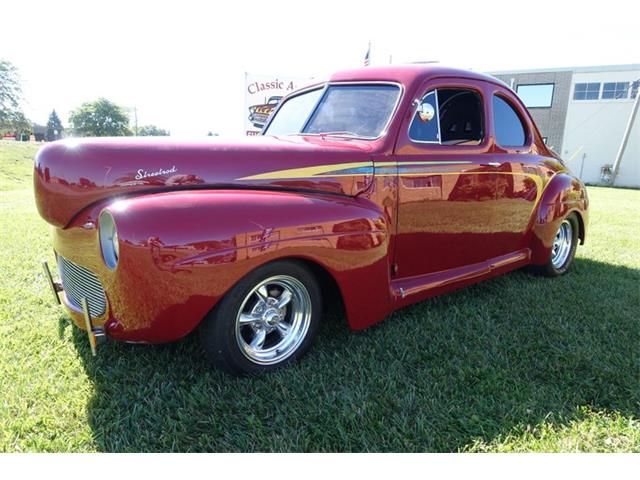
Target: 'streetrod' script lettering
144 174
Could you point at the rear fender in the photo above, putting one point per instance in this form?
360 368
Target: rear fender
563 195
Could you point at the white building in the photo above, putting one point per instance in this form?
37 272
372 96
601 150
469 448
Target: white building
582 112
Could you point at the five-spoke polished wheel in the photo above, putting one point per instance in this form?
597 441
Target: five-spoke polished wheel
266 320
273 319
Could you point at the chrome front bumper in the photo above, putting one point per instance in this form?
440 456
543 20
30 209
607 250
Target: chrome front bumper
96 335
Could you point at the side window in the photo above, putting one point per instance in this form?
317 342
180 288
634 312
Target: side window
428 132
509 129
458 120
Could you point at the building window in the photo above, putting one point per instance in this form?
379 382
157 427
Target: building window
634 88
615 90
536 96
586 91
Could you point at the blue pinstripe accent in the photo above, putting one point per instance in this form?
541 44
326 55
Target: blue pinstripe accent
350 171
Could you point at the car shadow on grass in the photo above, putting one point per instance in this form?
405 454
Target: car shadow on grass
472 366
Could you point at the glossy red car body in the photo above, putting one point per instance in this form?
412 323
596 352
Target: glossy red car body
391 221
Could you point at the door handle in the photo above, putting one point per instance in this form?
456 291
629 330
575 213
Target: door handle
490 164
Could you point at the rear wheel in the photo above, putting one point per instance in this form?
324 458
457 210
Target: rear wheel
267 320
563 249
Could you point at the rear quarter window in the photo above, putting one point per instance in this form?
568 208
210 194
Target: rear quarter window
510 131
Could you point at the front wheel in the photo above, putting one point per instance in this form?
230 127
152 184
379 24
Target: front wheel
563 249
268 319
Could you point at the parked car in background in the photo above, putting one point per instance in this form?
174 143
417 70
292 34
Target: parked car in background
384 185
258 114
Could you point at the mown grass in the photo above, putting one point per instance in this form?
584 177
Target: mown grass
518 363
16 164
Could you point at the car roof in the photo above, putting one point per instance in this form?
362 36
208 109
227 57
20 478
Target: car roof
409 74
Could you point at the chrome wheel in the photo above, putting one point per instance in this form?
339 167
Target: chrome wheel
273 320
562 244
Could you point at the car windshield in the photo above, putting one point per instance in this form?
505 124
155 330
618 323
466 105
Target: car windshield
361 111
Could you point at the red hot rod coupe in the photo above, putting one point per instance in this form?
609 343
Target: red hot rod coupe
389 185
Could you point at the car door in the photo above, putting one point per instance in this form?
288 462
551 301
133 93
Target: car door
446 179
519 176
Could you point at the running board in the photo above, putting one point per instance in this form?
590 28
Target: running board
406 287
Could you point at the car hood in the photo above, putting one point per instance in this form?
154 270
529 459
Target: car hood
75 173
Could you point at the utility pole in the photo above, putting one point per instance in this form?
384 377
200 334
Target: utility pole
625 139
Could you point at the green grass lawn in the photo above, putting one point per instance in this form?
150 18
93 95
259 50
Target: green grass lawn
518 363
16 164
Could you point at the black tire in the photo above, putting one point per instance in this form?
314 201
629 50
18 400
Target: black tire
226 341
555 269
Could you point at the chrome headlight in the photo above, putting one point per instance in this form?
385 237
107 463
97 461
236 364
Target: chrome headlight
109 243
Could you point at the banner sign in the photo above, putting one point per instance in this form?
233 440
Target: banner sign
263 94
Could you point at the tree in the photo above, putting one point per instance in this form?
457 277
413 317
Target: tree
54 128
100 118
11 117
21 126
152 131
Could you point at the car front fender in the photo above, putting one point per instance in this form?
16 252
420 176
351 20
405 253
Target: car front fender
180 252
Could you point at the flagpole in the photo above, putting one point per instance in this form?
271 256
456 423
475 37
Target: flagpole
367 57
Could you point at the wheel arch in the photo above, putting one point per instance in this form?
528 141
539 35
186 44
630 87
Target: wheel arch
581 225
332 294
564 195
342 291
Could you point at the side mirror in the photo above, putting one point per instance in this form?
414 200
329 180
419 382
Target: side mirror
426 112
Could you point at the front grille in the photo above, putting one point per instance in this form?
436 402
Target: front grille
78 282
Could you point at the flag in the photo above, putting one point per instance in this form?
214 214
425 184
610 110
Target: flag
367 59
